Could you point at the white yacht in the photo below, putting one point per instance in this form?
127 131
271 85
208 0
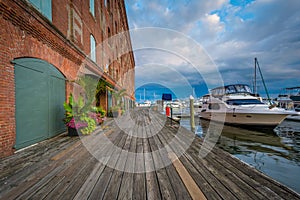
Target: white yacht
236 105
145 104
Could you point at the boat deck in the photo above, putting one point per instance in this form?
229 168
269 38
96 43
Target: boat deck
142 156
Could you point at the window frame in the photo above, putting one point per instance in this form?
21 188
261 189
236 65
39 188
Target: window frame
92 7
93 48
43 6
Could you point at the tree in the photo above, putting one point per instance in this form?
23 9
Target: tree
89 84
118 95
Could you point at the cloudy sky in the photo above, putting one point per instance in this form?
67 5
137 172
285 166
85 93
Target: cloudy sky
226 34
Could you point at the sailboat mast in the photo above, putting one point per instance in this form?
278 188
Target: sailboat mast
262 78
254 86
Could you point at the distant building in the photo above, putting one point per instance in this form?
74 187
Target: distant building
44 46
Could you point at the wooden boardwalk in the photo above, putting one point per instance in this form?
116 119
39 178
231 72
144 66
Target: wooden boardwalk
142 156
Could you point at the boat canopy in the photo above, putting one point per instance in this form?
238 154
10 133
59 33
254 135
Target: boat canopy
231 89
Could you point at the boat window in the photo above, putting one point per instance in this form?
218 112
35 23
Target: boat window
243 88
248 88
214 106
243 101
230 89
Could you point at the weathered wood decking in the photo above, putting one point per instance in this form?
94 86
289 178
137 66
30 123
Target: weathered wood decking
158 161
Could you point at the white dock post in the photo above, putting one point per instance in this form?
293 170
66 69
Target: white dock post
192 119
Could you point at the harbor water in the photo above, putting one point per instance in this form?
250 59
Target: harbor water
275 153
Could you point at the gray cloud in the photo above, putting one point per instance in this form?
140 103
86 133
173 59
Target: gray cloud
231 35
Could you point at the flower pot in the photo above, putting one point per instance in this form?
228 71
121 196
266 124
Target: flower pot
115 114
72 131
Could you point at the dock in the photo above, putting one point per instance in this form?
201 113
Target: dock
140 155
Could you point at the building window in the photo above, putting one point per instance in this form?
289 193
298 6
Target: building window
105 3
106 68
92 7
109 36
44 6
93 48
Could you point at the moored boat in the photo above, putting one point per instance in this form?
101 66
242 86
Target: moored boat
290 99
236 105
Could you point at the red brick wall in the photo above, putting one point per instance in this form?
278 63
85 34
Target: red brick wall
12 48
22 41
26 33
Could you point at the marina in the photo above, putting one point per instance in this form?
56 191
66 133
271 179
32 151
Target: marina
151 100
63 168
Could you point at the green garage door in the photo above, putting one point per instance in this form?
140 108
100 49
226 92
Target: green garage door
40 93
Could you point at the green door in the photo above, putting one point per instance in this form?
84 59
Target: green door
40 93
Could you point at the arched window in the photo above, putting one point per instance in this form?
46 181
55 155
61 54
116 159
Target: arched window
93 48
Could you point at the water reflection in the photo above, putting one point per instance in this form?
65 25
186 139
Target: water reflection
277 154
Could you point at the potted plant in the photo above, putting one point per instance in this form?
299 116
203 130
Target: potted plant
98 114
75 127
117 109
91 124
77 118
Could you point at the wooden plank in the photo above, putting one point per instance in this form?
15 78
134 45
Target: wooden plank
66 151
100 188
255 188
37 179
139 190
152 186
246 184
231 186
75 170
126 189
69 173
113 188
231 178
268 187
32 160
203 184
114 185
175 180
210 178
166 189
78 180
190 184
28 193
88 185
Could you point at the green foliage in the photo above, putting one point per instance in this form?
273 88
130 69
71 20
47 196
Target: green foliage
89 85
101 89
79 111
119 96
99 110
115 108
91 124
73 108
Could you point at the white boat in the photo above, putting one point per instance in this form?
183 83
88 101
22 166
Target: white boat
175 104
236 105
145 104
290 100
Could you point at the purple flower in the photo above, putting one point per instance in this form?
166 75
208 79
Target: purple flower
76 125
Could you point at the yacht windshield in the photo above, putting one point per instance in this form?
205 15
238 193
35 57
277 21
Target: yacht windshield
242 88
243 102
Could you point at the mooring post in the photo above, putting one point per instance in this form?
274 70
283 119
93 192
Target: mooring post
192 119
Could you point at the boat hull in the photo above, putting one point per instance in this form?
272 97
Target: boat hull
245 119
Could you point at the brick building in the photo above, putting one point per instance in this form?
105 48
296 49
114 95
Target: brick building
44 46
